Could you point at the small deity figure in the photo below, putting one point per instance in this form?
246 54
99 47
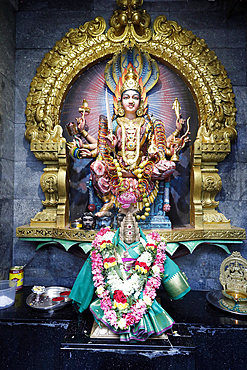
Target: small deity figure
132 152
126 268
119 219
88 221
106 220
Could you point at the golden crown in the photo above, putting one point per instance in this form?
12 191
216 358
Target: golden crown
130 82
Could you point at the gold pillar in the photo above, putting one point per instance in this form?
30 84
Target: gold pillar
54 183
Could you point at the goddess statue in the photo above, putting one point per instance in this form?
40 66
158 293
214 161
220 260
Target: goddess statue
126 268
132 152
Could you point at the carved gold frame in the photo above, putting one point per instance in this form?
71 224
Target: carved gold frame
168 42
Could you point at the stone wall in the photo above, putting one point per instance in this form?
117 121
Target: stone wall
7 133
39 24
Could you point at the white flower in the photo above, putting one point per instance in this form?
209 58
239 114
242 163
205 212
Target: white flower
119 259
122 323
149 240
128 287
114 281
137 293
131 285
139 303
147 300
145 257
106 254
100 289
124 275
108 236
156 269
143 242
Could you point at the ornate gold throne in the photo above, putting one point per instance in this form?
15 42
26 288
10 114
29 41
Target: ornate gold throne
180 50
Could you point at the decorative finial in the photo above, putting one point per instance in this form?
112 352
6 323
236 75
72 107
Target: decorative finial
176 107
130 23
84 108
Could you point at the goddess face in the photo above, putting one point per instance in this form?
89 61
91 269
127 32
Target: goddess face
130 101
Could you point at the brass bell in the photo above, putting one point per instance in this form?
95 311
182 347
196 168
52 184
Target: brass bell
175 157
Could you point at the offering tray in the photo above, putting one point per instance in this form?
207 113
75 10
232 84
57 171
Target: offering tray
215 298
45 301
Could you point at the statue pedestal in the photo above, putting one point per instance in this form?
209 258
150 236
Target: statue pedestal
79 350
155 222
104 332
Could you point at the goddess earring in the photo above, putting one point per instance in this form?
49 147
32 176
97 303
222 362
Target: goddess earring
140 110
121 111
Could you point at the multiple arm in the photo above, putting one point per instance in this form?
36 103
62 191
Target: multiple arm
175 143
80 150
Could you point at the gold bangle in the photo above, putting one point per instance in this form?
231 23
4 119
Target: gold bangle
176 132
94 153
84 133
85 146
168 152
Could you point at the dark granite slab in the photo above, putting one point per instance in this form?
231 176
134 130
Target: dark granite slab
206 337
80 351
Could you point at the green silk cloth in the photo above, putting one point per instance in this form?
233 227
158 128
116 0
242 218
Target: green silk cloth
156 321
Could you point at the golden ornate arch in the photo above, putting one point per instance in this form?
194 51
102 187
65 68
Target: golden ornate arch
178 48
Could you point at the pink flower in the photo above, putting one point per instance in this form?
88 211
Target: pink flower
103 231
105 304
98 281
97 240
111 317
130 319
155 236
126 199
99 168
140 305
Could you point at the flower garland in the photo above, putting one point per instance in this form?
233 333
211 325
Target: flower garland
119 290
143 173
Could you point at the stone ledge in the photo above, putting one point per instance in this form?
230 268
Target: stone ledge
186 233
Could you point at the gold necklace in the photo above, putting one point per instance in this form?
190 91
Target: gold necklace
131 134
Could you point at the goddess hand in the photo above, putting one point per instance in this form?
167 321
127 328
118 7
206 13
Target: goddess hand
111 140
78 142
81 123
180 143
179 123
84 153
